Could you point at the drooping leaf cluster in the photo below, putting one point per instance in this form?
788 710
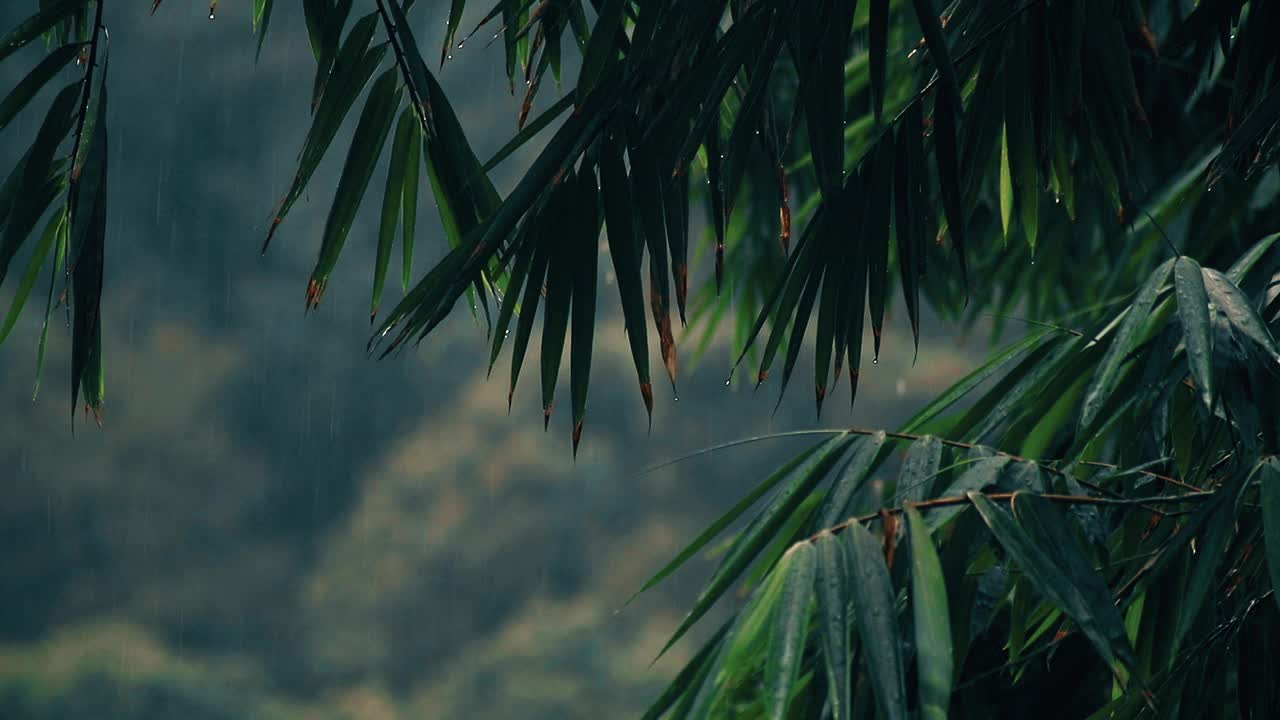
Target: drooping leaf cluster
1090 519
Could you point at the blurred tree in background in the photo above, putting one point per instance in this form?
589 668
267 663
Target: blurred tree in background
1089 521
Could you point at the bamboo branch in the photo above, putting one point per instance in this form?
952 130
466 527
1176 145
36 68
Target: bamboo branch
1003 496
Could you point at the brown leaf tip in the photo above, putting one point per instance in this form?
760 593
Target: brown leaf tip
646 392
577 437
315 291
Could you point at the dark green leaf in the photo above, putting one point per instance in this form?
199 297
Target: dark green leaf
873 604
1193 309
1269 484
584 296
625 249
1042 544
39 76
835 623
37 24
393 196
366 146
791 627
931 614
1126 335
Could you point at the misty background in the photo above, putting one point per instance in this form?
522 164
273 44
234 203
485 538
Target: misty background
273 524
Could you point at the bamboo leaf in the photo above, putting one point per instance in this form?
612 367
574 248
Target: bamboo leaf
787 647
31 84
625 249
1269 485
1104 378
931 24
393 196
555 323
878 49
833 591
835 507
875 237
1193 309
52 234
409 204
36 25
584 297
946 156
354 67
1042 544
873 603
931 614
919 469
528 310
366 146
601 50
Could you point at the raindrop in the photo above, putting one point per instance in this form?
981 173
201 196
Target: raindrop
875 361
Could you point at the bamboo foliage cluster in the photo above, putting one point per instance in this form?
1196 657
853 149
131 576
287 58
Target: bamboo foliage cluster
1102 495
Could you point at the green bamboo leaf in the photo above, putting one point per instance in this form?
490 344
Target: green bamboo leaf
932 617
675 207
261 19
877 621
1020 134
528 310
36 185
946 156
528 131
36 25
625 250
31 84
1126 335
919 469
456 8
88 221
52 233
749 543
835 507
1006 183
875 236
555 323
325 21
409 205
909 199
827 311
690 677
798 327
59 255
931 24
1193 309
794 280
834 622
791 629
1234 308
392 198
1042 544
1269 485
983 373
355 67
601 50
584 296
366 146
1241 267
878 48
1211 545
750 499
520 266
